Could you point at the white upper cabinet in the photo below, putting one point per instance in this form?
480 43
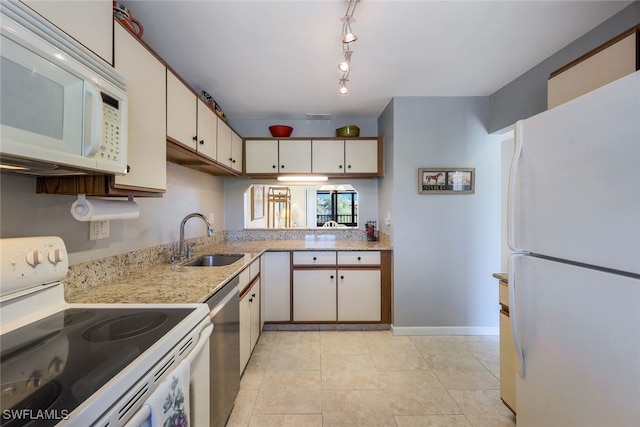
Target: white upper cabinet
262 156
181 112
89 22
351 156
146 78
236 152
207 131
294 156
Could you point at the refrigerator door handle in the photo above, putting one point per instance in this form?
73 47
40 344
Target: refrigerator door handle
513 311
511 191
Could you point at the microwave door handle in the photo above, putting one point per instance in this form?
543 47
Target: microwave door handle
91 148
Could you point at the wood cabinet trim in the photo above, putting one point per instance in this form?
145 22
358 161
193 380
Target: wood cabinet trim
603 46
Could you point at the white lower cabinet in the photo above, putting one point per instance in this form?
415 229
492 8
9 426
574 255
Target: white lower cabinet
359 295
314 295
249 322
276 275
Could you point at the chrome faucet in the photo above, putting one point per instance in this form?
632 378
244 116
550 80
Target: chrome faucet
210 232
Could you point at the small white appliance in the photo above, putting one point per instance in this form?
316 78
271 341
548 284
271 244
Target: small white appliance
64 110
574 219
87 364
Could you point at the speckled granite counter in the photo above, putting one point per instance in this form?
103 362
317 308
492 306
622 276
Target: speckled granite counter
162 283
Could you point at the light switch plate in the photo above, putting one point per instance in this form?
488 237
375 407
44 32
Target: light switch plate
99 230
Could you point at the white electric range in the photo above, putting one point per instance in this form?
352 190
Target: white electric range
81 364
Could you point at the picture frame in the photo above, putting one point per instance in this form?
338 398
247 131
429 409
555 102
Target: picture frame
446 180
257 202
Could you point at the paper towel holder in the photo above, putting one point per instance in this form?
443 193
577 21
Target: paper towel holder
99 209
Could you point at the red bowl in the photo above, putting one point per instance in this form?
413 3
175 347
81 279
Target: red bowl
280 131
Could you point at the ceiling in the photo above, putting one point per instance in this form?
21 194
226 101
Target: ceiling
277 59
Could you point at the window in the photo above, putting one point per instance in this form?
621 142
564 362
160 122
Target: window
338 206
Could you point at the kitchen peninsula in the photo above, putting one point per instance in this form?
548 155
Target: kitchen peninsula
158 281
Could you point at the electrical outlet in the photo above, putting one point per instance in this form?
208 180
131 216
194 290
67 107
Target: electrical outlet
99 230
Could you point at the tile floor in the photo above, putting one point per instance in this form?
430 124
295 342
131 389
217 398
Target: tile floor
372 378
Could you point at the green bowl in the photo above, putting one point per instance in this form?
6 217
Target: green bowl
349 130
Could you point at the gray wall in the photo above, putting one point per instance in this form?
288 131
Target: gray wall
527 95
25 213
446 247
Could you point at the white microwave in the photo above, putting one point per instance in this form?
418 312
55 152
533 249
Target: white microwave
63 109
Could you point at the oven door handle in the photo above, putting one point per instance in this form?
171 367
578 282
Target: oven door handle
145 411
204 336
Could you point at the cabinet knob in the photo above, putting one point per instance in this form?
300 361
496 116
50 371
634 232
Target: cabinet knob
341 277
349 167
281 166
314 258
253 295
128 168
359 258
340 166
250 299
274 166
195 138
332 276
233 160
202 142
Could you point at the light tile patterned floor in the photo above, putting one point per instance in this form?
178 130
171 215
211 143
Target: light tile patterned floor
369 379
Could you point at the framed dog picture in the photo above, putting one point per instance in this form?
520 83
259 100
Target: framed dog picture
446 180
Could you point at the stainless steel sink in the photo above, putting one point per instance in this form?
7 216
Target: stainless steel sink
214 260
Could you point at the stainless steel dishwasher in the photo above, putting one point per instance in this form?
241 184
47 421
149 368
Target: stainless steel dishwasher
224 375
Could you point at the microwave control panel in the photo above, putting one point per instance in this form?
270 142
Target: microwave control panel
110 146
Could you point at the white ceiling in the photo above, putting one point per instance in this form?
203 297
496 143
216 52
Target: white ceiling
277 59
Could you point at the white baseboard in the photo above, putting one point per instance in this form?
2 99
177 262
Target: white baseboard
445 330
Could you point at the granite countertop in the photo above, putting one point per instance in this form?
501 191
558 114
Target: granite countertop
164 283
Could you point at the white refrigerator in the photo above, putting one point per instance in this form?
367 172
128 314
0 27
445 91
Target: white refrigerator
574 223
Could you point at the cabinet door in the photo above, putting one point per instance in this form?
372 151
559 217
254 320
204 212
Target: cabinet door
314 295
146 151
361 156
207 131
89 22
181 112
236 152
328 156
507 363
245 331
224 143
262 157
276 275
294 156
359 295
254 300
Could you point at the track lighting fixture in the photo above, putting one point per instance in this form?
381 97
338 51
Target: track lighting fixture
347 37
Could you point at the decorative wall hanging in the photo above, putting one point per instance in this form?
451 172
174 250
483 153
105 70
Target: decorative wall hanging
446 180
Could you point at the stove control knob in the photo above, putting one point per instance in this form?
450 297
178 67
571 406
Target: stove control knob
55 256
34 258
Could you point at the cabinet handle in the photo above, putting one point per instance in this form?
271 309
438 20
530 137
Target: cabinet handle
349 167
314 258
195 138
274 166
359 258
250 299
341 277
332 276
253 295
281 166
233 160
202 142
128 168
340 166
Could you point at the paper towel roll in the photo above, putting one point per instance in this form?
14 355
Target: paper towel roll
100 209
